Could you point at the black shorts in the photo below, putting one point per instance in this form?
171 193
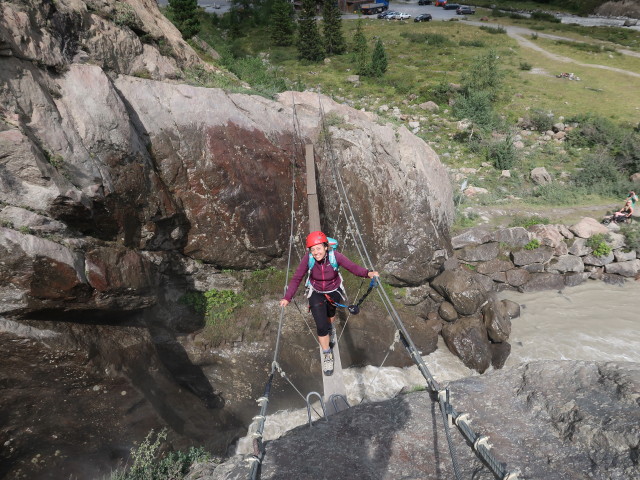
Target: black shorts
322 310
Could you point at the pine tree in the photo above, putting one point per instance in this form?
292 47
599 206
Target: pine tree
184 14
309 40
360 50
379 62
334 42
282 26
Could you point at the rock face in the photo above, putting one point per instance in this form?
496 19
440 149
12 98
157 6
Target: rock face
110 161
576 419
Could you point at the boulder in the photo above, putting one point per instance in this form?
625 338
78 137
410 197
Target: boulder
561 249
622 256
575 279
564 231
548 235
543 281
514 237
587 227
496 320
511 308
527 257
494 265
500 277
483 280
447 312
467 339
472 191
499 354
21 218
534 268
517 277
461 290
565 263
38 273
615 240
429 106
635 178
479 253
540 176
473 236
626 269
598 261
579 247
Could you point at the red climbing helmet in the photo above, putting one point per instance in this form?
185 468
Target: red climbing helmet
314 238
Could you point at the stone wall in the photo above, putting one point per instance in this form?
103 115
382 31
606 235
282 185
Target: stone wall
563 258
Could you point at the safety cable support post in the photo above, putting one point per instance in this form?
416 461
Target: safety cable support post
513 475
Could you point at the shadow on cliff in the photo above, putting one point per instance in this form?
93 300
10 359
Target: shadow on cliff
355 443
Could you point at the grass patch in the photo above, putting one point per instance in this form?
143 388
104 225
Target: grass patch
526 222
151 460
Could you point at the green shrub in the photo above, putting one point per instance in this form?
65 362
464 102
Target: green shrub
472 43
441 92
544 17
600 174
593 130
494 30
477 107
556 194
540 120
431 39
149 463
534 36
631 236
268 281
533 244
520 221
525 66
126 16
220 304
502 154
142 73
599 245
195 300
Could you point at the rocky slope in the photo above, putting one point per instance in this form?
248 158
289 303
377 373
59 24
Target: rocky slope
551 420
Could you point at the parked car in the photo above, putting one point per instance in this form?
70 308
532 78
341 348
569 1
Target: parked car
400 16
386 14
451 6
424 2
465 10
440 3
425 17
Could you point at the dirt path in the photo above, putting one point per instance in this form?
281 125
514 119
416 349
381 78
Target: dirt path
503 215
518 33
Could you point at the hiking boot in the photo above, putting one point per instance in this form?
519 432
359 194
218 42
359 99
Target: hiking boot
327 364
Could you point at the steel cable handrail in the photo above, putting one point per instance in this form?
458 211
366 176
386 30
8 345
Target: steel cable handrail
480 448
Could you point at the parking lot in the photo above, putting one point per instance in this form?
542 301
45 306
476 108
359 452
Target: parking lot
413 9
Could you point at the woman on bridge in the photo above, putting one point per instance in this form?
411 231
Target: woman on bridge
325 288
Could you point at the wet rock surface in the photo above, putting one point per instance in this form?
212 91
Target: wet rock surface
552 420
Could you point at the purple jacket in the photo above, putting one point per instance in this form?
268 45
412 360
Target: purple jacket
323 277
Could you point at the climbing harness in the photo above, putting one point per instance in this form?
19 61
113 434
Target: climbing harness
354 309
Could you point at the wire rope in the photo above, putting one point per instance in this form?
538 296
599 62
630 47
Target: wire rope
446 408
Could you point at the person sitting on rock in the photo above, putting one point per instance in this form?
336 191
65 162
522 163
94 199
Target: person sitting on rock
624 213
325 286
